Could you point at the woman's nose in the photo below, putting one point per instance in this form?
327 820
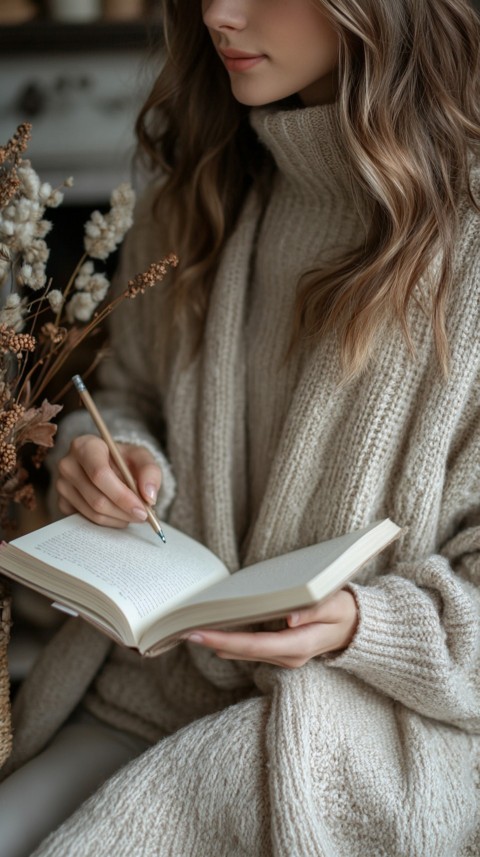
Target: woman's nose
224 14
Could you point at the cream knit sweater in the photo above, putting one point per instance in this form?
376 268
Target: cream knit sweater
375 751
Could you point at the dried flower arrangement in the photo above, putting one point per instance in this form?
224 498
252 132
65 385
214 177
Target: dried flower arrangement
40 326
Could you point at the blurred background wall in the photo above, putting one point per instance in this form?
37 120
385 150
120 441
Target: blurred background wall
78 70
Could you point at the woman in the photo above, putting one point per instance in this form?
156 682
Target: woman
313 365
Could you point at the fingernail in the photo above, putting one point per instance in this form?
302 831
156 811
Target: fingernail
294 618
140 514
195 638
151 492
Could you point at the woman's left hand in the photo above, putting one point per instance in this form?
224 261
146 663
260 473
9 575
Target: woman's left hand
326 627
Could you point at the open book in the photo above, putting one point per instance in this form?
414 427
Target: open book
146 594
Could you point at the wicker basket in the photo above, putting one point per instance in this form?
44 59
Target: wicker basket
5 723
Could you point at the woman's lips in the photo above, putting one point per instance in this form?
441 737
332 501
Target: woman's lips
236 61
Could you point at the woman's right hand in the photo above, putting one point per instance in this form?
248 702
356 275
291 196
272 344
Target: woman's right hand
88 482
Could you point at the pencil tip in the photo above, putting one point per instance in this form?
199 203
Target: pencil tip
162 536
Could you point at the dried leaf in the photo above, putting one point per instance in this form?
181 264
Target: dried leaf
42 434
36 426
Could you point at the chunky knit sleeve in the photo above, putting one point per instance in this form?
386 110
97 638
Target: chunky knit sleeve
418 639
129 397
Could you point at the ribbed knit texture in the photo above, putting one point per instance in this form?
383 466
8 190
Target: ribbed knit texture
374 751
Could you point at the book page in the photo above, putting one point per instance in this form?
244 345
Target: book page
298 569
277 585
132 566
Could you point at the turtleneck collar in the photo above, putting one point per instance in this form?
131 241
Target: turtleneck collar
307 146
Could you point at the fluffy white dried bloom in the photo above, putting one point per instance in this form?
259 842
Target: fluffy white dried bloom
7 229
33 276
80 307
55 299
98 287
13 312
13 301
55 199
33 189
123 196
39 280
88 280
83 276
122 201
24 233
45 192
29 180
104 232
43 228
19 223
69 182
22 223
98 226
100 240
24 210
38 251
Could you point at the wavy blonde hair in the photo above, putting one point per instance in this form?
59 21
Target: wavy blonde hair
409 109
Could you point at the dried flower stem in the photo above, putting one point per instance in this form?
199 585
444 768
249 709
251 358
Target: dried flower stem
99 356
30 361
155 273
69 286
17 145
